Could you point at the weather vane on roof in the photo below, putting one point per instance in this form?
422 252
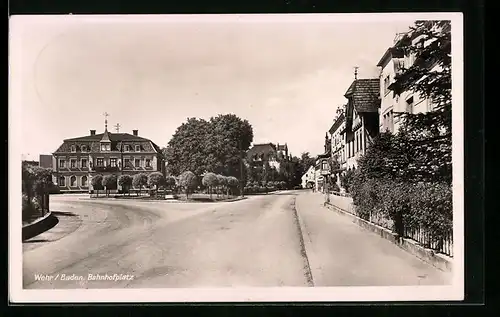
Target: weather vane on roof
117 127
356 72
106 115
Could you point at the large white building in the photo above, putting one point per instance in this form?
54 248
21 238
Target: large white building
394 97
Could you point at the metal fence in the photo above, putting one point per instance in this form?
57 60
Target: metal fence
442 244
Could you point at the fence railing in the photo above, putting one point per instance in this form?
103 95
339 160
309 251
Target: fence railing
443 244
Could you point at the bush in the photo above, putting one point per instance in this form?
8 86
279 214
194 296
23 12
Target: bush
156 180
188 181
139 181
125 181
426 206
97 182
346 180
432 208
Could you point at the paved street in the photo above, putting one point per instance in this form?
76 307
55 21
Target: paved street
252 242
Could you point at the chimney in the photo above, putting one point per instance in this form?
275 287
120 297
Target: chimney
135 132
92 132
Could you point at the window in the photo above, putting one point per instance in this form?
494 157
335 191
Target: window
73 163
72 181
62 181
84 181
105 147
137 163
62 163
126 148
84 148
112 162
100 162
386 84
84 163
126 162
73 148
409 105
148 163
361 141
137 148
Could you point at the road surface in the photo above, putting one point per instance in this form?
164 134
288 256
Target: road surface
252 242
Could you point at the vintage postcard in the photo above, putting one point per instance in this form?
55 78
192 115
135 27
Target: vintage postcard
236 158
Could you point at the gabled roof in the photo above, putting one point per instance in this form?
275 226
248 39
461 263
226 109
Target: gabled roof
337 123
365 94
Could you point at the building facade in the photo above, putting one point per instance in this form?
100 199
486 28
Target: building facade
79 159
274 154
337 136
362 118
309 178
394 69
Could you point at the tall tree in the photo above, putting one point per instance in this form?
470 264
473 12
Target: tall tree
217 146
187 150
426 137
228 140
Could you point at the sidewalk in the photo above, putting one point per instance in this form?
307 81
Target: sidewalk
341 253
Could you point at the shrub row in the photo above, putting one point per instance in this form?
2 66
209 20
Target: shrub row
36 185
420 205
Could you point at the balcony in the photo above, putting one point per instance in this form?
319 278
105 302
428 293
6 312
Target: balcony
105 169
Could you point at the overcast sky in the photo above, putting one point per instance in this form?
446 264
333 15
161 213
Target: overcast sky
284 74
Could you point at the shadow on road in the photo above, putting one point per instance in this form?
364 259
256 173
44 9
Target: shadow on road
38 228
36 241
64 213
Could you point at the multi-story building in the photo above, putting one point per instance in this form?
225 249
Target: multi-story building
394 66
362 118
322 164
274 154
337 136
77 160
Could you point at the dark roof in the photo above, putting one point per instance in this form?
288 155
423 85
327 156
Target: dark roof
365 94
116 139
336 124
112 137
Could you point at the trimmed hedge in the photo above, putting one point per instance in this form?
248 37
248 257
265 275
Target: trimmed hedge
409 206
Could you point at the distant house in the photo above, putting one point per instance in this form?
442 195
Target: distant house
362 117
309 178
274 154
77 160
322 164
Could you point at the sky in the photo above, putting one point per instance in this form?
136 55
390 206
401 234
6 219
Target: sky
285 74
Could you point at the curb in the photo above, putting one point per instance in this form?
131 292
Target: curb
305 244
439 261
39 226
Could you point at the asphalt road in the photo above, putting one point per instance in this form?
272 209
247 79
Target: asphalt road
252 242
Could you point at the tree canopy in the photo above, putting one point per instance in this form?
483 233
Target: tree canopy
214 146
